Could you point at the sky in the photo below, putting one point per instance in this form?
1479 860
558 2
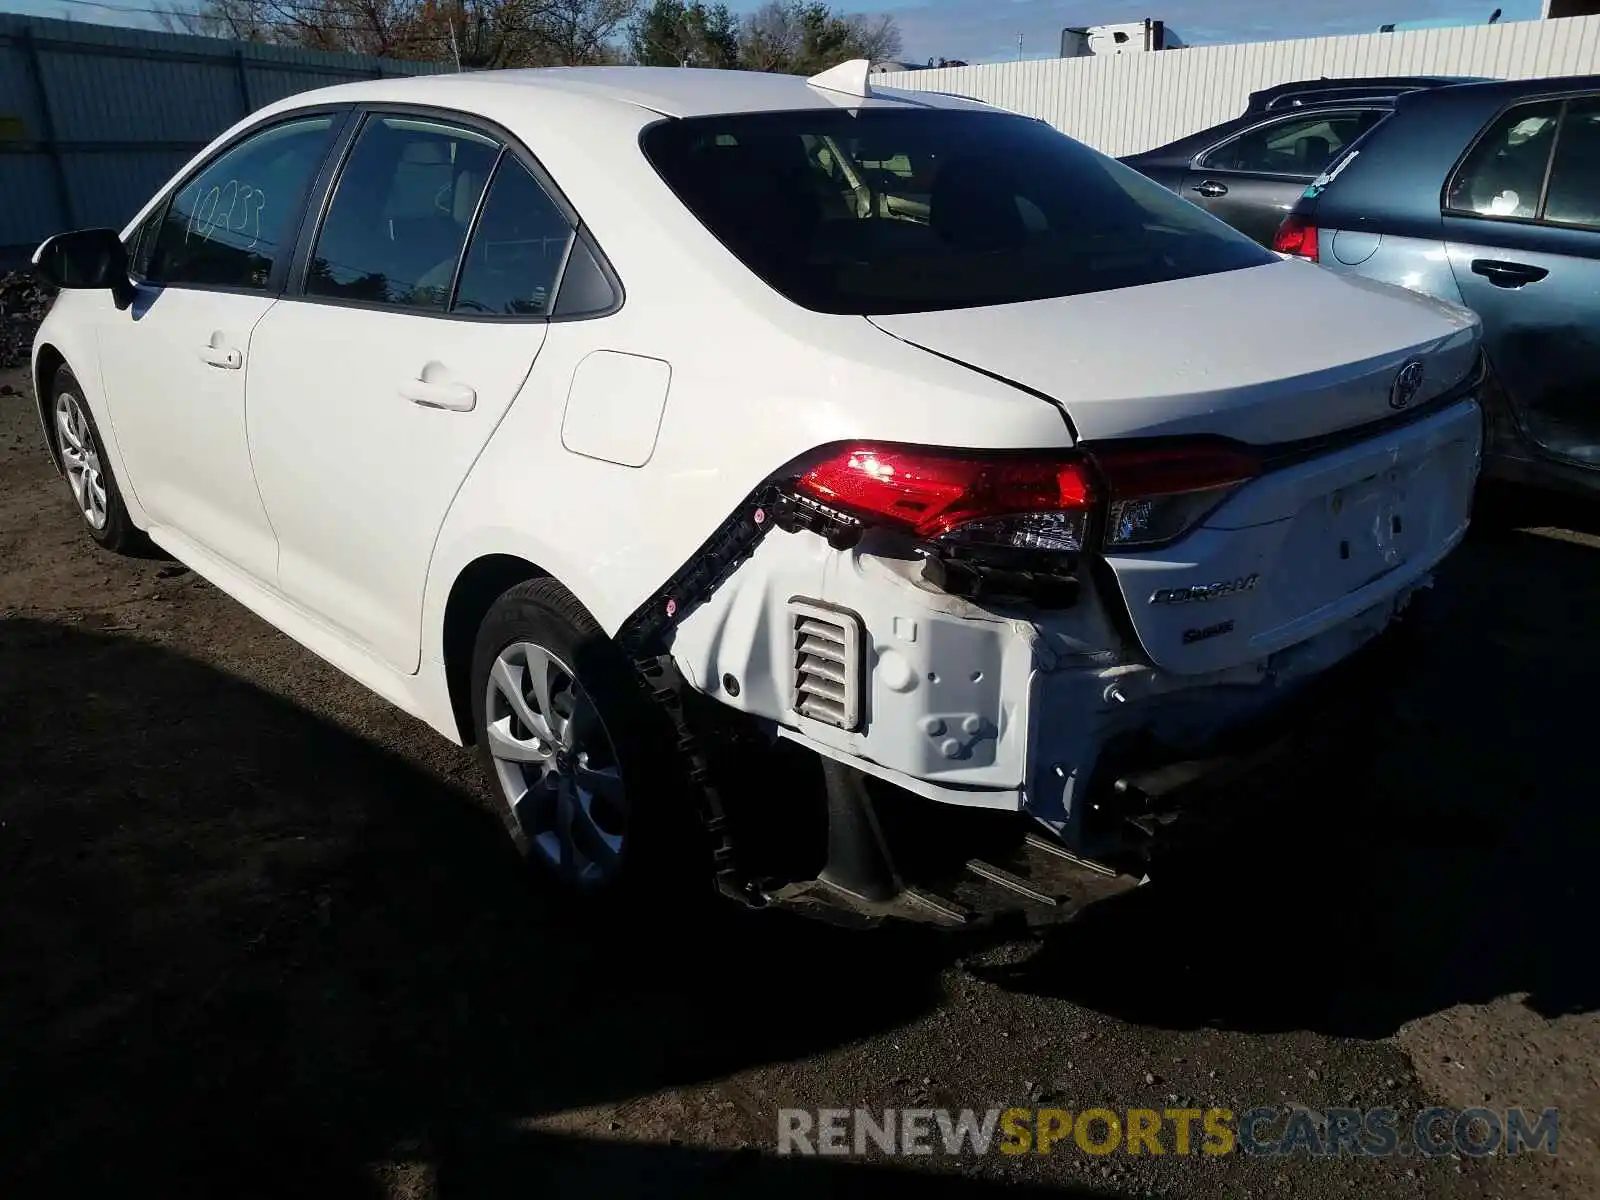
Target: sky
987 30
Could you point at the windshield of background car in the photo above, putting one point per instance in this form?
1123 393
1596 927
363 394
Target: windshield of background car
878 211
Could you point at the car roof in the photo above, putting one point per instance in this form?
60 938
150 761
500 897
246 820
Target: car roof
668 91
1299 96
1337 88
1487 91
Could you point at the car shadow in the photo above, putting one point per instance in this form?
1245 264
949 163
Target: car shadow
540 1165
246 952
1447 858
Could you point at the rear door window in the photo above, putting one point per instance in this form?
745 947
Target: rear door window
879 211
1302 145
516 250
1573 195
1504 173
400 214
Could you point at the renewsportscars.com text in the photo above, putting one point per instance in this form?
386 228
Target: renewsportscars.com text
1333 1132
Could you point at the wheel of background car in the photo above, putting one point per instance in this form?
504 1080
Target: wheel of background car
578 757
88 474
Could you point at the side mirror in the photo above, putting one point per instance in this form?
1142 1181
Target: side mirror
86 260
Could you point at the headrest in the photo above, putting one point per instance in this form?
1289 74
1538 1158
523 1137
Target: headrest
469 186
428 152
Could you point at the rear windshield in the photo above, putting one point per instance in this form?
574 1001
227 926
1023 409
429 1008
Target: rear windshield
878 211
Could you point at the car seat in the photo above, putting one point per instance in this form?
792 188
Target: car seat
1312 153
433 284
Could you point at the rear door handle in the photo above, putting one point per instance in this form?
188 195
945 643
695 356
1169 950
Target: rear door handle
1508 274
225 357
457 397
1211 188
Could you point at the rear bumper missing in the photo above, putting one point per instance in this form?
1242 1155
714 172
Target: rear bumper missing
893 858
1104 768
1144 793
977 708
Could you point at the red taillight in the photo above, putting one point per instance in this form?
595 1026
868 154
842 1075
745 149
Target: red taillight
1040 503
1159 494
1153 494
1297 236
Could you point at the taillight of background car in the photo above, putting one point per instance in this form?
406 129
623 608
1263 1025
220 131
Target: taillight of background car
1297 236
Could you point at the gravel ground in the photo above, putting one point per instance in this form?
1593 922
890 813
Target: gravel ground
23 304
258 932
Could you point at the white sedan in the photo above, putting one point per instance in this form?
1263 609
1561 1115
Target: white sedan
552 405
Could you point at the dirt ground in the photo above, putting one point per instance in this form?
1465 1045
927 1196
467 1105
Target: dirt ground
259 933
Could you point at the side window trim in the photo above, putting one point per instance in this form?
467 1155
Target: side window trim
1198 163
321 195
318 196
317 202
143 242
277 281
1550 163
561 274
1488 127
472 227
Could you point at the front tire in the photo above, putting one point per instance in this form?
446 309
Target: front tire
88 473
576 752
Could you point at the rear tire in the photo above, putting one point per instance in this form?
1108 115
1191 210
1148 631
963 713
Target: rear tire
577 754
87 470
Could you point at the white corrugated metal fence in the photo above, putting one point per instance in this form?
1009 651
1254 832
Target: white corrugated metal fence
1126 103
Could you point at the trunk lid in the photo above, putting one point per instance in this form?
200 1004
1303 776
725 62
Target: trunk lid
1306 547
1286 353
1268 354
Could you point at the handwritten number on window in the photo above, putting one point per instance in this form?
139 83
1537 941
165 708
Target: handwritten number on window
232 207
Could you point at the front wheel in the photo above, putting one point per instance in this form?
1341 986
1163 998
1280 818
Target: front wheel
575 750
83 462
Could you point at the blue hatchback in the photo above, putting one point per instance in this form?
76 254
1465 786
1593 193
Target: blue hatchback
1487 195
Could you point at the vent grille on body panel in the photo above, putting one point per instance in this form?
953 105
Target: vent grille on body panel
826 664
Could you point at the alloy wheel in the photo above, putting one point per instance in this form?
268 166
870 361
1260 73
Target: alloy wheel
81 460
556 764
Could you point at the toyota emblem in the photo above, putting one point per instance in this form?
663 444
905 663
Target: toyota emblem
1407 384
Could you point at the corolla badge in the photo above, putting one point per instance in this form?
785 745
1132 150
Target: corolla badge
1407 384
1205 591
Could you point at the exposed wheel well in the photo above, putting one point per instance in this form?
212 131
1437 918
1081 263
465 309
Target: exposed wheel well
50 361
477 588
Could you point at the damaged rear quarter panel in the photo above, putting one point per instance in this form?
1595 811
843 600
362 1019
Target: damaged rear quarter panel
946 682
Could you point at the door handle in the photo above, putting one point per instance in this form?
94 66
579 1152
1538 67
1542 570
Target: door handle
1508 274
457 397
1211 188
225 357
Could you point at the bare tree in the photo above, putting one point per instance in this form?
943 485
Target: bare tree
578 32
240 20
484 33
387 28
792 36
770 39
873 37
806 36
